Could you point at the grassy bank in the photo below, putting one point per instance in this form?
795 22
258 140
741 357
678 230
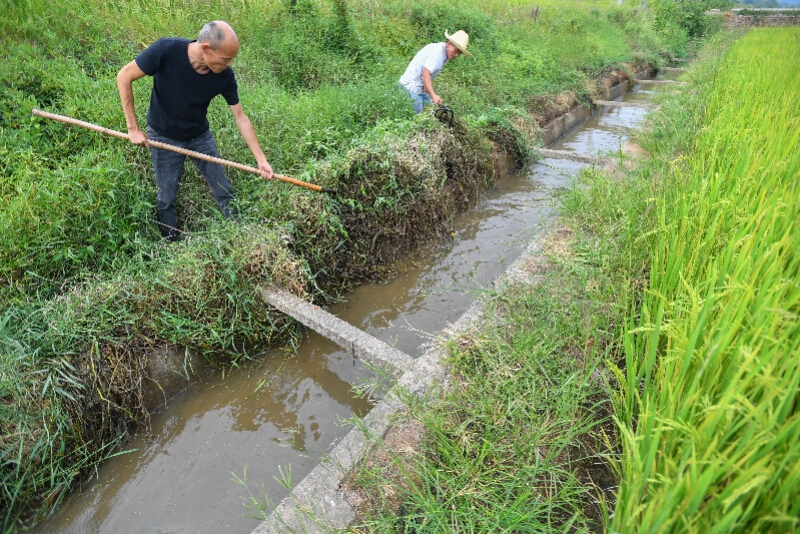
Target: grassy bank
645 378
516 444
88 288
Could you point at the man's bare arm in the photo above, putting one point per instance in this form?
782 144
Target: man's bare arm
125 79
249 134
427 85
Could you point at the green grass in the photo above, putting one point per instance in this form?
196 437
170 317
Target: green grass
683 279
86 283
512 446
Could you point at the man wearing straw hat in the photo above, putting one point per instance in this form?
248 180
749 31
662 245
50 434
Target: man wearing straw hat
186 76
417 80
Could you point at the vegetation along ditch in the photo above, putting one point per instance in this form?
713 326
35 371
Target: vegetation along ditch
88 288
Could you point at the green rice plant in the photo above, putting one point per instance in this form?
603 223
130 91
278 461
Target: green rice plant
708 411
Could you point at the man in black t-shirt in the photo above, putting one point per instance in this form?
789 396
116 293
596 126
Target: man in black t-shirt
186 76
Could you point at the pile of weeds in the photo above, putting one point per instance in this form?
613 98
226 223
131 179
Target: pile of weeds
394 196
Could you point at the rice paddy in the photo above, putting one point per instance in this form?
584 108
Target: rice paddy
709 404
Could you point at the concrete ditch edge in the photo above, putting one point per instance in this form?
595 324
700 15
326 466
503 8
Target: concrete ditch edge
563 124
316 504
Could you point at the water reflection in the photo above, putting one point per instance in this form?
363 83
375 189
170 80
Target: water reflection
275 414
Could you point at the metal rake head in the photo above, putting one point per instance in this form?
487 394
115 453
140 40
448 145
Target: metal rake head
444 114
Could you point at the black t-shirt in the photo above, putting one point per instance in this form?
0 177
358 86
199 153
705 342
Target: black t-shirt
181 95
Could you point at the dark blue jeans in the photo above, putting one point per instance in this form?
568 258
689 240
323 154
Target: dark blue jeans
168 168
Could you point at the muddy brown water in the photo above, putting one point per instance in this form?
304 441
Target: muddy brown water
285 411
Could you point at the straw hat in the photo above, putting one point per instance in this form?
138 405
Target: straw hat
460 39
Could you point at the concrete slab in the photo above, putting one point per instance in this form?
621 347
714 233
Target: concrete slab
360 344
564 154
624 104
662 82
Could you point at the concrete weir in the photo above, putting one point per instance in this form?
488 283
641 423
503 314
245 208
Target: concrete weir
561 125
665 82
624 104
564 154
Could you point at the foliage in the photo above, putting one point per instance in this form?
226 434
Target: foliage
684 21
428 19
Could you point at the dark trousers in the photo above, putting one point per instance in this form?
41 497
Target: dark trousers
168 168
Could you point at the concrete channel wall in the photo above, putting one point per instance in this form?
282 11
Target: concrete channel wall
561 125
317 504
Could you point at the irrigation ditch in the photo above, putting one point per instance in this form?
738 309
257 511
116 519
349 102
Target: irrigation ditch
328 498
172 368
169 370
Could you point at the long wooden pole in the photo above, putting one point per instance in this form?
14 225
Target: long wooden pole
179 150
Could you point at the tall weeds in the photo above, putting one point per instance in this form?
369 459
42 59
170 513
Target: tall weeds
83 277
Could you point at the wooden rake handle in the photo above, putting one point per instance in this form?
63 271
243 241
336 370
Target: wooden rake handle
179 150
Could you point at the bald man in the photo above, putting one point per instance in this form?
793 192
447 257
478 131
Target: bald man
186 76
